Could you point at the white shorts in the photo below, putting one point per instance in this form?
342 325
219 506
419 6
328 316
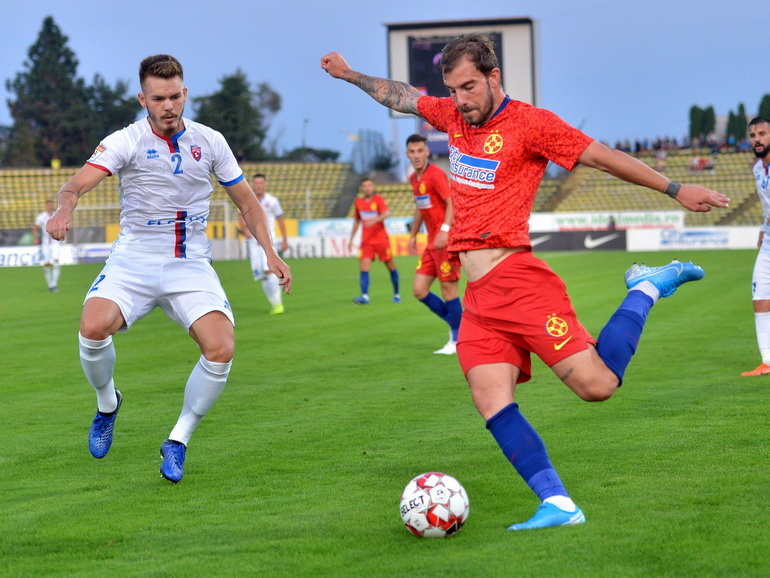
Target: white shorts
50 251
258 259
186 289
760 280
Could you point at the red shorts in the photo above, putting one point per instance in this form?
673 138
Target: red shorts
519 307
372 250
435 263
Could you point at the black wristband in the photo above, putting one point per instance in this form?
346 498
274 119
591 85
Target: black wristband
672 189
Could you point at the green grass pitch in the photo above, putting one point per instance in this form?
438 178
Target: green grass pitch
331 409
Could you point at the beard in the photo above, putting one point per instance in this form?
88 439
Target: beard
761 153
478 116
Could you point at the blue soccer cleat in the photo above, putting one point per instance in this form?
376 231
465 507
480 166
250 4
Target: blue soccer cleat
173 454
396 298
100 435
361 300
666 278
548 515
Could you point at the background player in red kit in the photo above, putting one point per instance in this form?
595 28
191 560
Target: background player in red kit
433 201
514 304
371 212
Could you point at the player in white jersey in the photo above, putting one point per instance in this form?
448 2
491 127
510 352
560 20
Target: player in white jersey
759 138
257 256
162 257
50 248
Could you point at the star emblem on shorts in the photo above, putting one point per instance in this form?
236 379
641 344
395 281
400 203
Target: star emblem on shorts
556 326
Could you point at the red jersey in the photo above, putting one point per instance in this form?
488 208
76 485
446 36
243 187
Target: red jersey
431 191
366 210
496 169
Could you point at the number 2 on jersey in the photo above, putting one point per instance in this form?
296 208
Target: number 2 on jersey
177 158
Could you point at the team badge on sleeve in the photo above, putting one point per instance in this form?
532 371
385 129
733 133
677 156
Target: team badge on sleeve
97 152
196 152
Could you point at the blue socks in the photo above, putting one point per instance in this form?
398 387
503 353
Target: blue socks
394 280
363 281
525 450
450 311
618 340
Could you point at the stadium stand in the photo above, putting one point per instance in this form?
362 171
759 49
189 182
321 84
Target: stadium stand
322 190
587 189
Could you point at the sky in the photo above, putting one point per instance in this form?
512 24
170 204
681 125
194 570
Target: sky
616 69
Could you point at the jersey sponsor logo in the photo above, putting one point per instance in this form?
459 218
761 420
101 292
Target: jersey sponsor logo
493 144
196 152
423 202
591 243
369 215
152 154
181 218
474 171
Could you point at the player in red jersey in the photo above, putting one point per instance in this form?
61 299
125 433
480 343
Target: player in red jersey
371 212
514 304
433 209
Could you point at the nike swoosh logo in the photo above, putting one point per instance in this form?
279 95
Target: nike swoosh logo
591 243
458 135
539 240
558 346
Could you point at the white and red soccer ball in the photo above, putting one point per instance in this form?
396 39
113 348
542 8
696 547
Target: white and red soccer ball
434 505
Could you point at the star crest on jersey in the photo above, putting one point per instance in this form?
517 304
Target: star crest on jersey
196 152
493 144
556 326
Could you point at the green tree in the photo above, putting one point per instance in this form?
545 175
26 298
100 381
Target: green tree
736 123
702 121
55 113
764 107
696 121
241 115
308 154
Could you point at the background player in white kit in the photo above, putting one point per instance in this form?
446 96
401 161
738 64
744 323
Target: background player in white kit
257 256
50 248
759 138
162 257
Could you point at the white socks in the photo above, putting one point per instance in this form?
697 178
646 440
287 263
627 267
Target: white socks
562 502
272 289
762 323
204 385
98 361
648 289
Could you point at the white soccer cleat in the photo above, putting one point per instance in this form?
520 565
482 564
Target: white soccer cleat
449 349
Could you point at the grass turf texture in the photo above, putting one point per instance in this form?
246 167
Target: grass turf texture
332 408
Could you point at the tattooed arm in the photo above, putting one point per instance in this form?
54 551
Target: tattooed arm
399 96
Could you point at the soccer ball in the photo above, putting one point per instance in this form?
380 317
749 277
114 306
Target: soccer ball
434 505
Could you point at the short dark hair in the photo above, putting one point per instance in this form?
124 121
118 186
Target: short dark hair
758 120
413 138
160 66
259 176
477 48
363 180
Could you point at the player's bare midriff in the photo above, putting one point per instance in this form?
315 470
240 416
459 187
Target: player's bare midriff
478 263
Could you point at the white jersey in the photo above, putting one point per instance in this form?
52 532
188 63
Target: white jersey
273 210
40 222
763 188
165 186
